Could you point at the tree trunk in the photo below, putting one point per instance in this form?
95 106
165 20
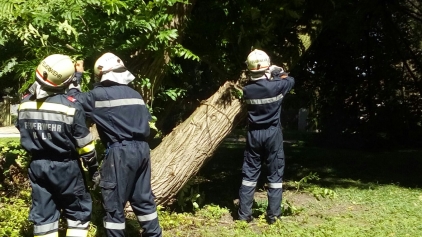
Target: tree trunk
181 153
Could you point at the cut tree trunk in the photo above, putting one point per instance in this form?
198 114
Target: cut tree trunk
181 153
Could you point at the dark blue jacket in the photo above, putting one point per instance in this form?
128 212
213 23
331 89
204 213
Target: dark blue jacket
118 111
54 128
263 98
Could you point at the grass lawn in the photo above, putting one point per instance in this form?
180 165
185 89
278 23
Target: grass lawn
327 192
9 139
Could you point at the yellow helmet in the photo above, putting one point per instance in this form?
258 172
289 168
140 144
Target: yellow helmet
55 71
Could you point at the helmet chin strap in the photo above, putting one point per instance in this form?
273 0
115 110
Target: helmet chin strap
42 88
50 86
255 75
267 74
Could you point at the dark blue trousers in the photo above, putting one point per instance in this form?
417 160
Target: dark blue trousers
126 176
58 186
263 145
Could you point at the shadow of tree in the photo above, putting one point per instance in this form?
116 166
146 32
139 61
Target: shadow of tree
27 229
343 168
220 177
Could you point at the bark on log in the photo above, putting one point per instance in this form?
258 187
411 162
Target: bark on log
181 154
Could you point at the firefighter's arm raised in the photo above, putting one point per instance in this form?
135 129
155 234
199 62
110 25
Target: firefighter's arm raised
286 82
85 99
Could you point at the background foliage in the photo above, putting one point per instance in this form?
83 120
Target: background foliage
357 63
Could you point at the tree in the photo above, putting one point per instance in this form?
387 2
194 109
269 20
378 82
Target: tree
184 51
183 151
142 30
60 27
144 33
368 87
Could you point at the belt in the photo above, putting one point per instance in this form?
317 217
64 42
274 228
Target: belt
63 157
261 126
123 143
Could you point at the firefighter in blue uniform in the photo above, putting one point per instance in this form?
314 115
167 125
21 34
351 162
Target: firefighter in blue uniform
263 95
54 133
122 121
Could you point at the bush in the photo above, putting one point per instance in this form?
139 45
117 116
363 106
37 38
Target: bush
14 215
14 162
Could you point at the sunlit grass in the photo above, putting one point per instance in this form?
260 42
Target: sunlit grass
9 139
382 210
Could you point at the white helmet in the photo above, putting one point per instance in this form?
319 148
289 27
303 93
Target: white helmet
258 60
108 62
55 71
258 63
109 67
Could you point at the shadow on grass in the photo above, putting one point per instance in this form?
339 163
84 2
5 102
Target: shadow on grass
221 176
26 230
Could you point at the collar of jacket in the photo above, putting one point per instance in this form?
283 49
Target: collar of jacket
40 92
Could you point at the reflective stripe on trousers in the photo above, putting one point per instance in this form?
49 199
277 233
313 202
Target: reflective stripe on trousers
265 145
53 234
122 226
128 165
76 233
77 228
66 193
49 229
114 226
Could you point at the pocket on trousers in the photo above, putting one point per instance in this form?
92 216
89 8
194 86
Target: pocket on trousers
109 193
79 188
84 207
280 163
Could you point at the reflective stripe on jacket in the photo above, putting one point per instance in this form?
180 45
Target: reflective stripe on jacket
54 126
263 98
118 111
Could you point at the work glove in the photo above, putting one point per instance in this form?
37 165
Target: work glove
94 174
276 71
77 79
76 82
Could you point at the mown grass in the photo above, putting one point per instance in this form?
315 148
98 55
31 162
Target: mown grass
9 139
328 192
354 192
